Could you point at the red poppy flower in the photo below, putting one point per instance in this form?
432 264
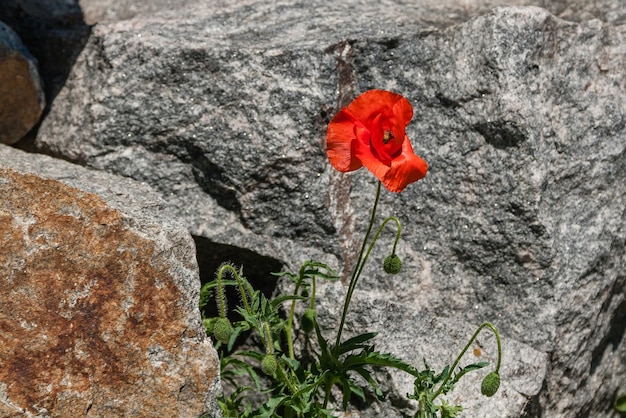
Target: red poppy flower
370 132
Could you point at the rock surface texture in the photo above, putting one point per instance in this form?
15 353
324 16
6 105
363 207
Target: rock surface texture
98 298
222 109
21 92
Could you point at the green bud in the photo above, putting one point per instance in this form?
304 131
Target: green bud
222 330
269 364
308 320
491 384
392 264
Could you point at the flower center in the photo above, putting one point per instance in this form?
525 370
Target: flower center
387 136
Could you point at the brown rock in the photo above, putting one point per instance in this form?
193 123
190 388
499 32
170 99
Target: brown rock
21 96
53 31
93 318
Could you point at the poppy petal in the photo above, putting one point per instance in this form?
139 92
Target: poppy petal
340 137
371 161
402 112
373 102
371 132
405 169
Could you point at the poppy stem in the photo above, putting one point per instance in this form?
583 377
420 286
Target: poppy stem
357 270
467 346
289 327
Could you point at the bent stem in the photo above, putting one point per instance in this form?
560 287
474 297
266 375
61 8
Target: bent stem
357 270
380 229
458 359
289 326
221 297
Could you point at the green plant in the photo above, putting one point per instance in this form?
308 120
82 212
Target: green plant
297 388
270 380
620 404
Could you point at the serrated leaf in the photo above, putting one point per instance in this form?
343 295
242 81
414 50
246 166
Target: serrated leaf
380 359
280 299
467 369
449 411
445 374
355 343
231 367
368 377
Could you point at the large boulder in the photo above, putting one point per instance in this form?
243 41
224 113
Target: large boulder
98 298
520 114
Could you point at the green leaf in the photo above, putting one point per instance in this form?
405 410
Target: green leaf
620 403
380 359
277 301
449 411
355 343
321 341
206 293
445 374
231 367
210 285
368 377
310 268
268 409
467 369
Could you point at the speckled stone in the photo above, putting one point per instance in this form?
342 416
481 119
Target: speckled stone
98 305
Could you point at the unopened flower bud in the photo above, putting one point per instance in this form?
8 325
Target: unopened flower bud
308 320
490 384
269 365
392 264
222 330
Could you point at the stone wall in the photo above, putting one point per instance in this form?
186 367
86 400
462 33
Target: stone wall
221 109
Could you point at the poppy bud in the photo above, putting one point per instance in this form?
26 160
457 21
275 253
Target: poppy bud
491 384
308 320
222 330
392 264
269 364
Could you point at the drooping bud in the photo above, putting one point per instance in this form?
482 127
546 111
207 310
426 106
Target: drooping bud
491 384
269 364
308 320
222 330
392 264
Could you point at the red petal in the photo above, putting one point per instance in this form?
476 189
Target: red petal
355 138
371 161
372 102
340 139
402 115
405 169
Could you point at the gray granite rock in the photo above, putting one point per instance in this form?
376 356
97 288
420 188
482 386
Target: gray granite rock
520 115
99 298
440 13
416 336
